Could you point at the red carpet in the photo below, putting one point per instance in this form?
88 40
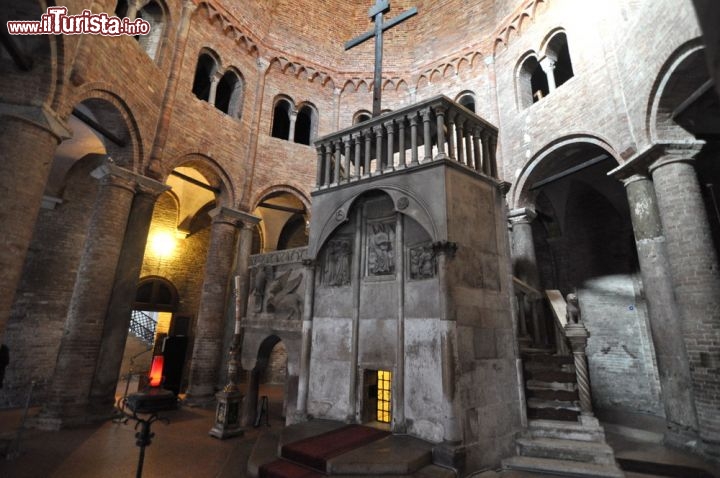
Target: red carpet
314 452
285 469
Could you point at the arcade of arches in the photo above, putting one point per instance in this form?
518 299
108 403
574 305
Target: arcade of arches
151 187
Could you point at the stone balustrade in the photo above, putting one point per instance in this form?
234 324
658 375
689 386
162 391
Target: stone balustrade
432 130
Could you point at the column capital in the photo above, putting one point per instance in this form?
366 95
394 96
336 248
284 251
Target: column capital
547 64
634 179
524 215
657 155
226 215
149 187
113 175
40 116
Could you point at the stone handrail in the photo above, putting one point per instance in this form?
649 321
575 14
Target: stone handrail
432 130
528 300
559 309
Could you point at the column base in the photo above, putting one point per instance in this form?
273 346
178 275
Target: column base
450 454
227 415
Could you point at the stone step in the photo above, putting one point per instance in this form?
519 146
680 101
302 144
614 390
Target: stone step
562 467
564 430
530 366
548 358
561 395
552 409
550 376
573 450
540 385
393 455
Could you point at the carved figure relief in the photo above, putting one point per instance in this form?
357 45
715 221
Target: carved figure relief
282 297
573 309
258 287
336 269
422 262
380 248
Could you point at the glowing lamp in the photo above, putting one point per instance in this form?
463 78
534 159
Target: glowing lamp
156 371
163 244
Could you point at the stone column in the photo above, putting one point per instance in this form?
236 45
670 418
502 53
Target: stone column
208 345
214 82
695 275
80 345
117 321
672 359
306 341
28 138
548 66
293 120
525 263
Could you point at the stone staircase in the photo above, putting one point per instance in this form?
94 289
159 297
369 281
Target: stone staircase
559 440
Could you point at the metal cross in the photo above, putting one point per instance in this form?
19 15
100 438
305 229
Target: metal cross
376 14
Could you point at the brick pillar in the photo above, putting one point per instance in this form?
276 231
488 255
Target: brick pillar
672 359
208 345
80 345
28 138
695 275
115 330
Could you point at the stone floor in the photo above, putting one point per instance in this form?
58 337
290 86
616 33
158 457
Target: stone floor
184 449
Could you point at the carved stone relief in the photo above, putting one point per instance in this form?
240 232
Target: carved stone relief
336 266
282 298
422 263
381 248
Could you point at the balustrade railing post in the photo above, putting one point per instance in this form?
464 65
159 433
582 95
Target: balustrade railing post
427 140
460 134
476 149
346 142
356 141
485 136
440 117
468 146
379 166
413 139
401 142
336 144
493 148
319 176
367 134
452 154
328 162
577 334
390 129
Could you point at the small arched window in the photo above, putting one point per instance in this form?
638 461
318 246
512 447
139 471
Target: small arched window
361 116
532 83
204 72
305 125
229 94
557 49
152 13
467 99
281 119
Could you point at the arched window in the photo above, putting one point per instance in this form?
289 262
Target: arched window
361 116
154 15
229 94
467 99
281 119
557 49
305 125
204 72
532 82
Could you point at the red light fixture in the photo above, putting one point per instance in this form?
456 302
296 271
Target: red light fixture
156 371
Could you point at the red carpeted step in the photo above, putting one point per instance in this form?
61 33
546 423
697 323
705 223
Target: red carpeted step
314 452
285 469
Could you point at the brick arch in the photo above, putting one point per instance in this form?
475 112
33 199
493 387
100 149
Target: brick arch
110 107
210 169
672 77
520 194
293 189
